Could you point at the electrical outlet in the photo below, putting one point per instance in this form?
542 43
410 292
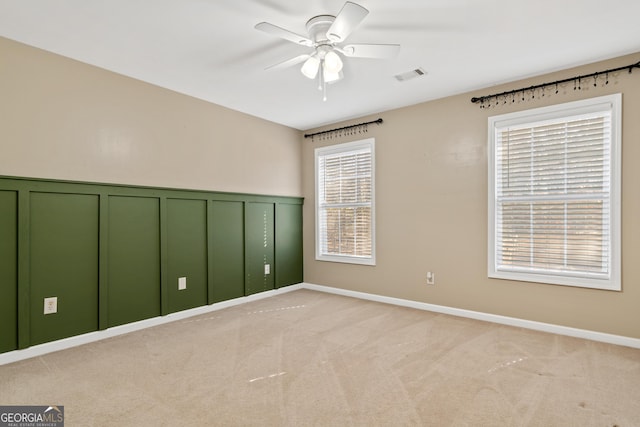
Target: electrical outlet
51 305
182 283
431 278
267 269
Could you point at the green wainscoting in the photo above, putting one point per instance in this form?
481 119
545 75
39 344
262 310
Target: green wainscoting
114 254
227 250
186 253
288 244
63 264
8 270
259 251
133 259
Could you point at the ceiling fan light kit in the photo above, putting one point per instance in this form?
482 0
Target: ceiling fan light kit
310 67
332 62
326 32
331 77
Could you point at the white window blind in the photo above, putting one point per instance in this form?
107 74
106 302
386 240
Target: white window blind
555 195
345 202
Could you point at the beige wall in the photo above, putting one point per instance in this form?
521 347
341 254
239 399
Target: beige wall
62 119
431 196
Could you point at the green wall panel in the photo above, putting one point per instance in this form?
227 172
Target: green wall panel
259 250
227 247
186 253
63 264
8 270
288 244
112 254
133 259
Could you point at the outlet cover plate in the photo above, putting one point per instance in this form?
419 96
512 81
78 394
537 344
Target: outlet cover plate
431 278
182 283
51 305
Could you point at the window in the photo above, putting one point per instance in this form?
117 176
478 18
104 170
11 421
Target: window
554 194
345 203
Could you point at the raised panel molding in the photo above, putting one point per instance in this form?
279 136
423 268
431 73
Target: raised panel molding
133 259
63 264
186 253
114 255
259 247
227 250
8 270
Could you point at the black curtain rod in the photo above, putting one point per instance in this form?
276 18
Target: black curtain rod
311 135
482 99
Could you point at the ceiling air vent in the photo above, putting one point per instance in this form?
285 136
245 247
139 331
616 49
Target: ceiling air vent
418 72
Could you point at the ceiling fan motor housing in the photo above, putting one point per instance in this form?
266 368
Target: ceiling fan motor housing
317 28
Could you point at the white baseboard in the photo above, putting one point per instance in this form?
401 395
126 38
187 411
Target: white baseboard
50 347
494 318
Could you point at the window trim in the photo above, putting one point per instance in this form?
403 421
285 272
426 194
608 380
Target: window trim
614 102
369 144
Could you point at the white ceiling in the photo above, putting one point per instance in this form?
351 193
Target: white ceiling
209 49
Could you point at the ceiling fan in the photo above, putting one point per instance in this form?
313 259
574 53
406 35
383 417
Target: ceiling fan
326 35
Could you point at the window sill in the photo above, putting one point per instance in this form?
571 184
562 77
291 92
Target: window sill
605 284
347 260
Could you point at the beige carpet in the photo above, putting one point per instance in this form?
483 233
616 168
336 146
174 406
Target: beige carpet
313 359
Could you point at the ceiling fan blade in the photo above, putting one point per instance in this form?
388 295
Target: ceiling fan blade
347 20
380 51
289 62
274 30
